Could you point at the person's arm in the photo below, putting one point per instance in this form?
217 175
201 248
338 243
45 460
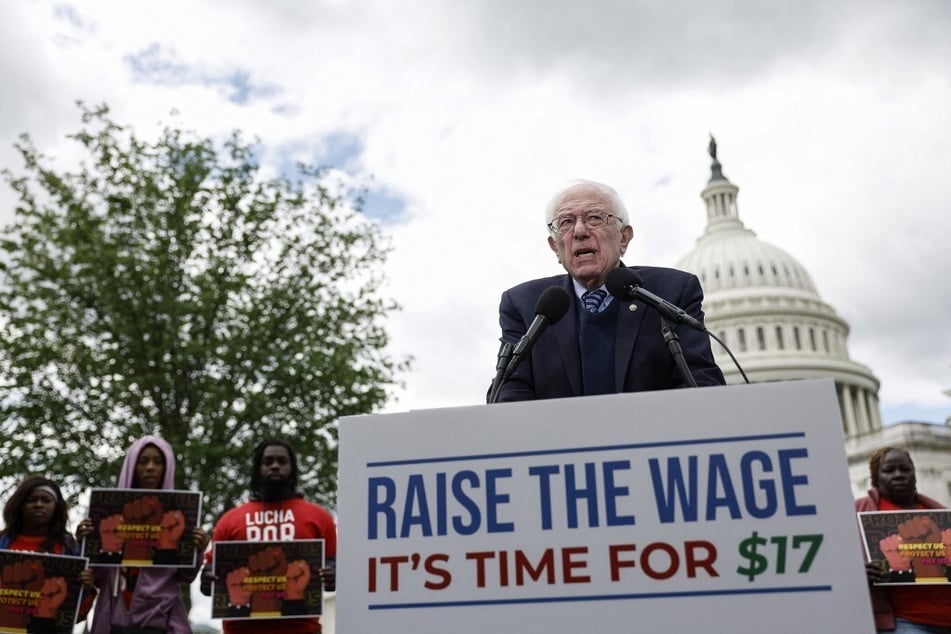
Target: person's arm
89 592
200 539
327 529
207 578
218 534
328 574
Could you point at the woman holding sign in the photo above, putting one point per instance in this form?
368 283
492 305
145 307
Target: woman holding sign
35 521
913 608
132 599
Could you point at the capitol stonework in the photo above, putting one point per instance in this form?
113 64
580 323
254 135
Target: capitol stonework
763 304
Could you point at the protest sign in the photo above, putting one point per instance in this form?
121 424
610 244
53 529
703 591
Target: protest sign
39 592
267 579
142 527
914 546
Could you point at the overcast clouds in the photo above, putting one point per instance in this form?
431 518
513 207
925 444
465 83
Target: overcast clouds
832 118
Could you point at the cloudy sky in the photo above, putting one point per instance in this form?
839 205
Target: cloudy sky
834 118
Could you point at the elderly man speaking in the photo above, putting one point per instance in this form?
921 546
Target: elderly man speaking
603 344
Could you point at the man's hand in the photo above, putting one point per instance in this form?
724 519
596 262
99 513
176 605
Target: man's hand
206 579
328 578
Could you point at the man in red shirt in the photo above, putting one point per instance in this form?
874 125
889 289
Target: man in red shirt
276 511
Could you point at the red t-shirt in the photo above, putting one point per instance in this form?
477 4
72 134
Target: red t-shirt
32 543
924 603
284 520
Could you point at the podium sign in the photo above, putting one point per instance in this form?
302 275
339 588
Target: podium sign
713 509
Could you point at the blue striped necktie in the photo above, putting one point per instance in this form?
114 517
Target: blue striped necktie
592 300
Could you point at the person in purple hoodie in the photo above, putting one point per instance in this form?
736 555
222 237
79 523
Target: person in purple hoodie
144 600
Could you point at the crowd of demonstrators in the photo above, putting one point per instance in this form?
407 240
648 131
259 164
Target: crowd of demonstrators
903 609
133 600
604 345
149 600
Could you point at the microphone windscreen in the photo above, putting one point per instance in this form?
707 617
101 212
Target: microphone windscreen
619 281
553 303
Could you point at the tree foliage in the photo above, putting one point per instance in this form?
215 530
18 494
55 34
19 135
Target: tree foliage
168 287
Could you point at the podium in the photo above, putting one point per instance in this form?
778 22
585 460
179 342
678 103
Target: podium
724 509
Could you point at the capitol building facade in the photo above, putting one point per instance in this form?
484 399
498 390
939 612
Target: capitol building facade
763 304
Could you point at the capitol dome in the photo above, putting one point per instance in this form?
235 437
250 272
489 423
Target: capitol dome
762 303
731 256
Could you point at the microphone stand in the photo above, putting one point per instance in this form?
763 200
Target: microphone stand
673 344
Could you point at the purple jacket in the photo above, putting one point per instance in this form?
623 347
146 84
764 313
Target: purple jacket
881 606
156 601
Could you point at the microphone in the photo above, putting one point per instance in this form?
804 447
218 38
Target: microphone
551 306
505 354
626 285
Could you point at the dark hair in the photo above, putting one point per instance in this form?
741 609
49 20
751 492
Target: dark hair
875 462
256 458
56 531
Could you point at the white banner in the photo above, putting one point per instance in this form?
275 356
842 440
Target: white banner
714 509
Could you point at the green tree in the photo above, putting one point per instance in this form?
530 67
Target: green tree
168 287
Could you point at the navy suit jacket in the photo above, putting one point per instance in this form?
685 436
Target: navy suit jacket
642 360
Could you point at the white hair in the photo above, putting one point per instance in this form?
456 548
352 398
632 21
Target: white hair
616 205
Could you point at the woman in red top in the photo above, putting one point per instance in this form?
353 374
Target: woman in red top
904 609
35 519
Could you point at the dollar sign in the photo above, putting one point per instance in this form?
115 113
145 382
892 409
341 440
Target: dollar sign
757 561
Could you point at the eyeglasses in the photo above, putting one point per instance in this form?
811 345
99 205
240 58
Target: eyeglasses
592 220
